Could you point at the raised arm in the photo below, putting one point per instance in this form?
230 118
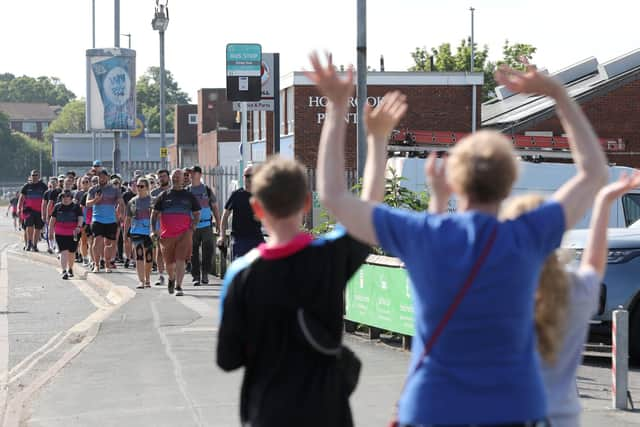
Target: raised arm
355 214
440 190
575 195
379 123
595 252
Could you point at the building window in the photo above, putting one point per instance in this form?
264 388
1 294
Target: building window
290 111
44 126
263 125
193 119
29 127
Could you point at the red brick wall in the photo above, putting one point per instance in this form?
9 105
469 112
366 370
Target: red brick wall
430 108
208 150
614 115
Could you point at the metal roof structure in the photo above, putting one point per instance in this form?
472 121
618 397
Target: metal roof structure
585 80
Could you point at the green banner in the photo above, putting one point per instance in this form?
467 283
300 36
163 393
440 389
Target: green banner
381 296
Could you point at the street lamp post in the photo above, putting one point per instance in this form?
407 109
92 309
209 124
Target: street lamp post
160 23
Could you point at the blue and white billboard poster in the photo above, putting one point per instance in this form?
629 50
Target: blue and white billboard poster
111 91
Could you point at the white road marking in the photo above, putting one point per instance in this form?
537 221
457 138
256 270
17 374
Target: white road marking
4 333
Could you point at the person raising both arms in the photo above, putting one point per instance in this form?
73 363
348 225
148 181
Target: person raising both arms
474 346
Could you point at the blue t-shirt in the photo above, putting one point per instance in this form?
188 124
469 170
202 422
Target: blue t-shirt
205 199
139 210
485 361
104 211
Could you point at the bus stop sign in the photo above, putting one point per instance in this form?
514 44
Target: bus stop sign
243 72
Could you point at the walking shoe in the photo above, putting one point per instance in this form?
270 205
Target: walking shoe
101 263
160 281
95 269
179 292
112 265
70 271
65 275
204 282
34 248
154 267
195 282
126 263
172 286
85 262
49 251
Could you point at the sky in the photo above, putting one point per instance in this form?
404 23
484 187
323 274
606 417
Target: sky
49 38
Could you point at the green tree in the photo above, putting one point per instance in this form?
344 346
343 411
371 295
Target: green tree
444 59
70 120
20 153
512 54
28 89
148 98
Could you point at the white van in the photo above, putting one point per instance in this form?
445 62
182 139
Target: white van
541 178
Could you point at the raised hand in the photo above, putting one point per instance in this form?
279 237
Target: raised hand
437 178
380 121
618 188
337 89
529 81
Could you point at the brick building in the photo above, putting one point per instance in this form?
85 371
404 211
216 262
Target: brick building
30 118
217 129
609 94
184 150
436 101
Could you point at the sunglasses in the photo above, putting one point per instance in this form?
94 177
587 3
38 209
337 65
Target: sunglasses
141 186
35 175
85 182
67 195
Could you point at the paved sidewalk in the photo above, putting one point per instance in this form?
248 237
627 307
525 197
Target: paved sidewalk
152 361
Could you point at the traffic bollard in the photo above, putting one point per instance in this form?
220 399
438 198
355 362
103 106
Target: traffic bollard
620 357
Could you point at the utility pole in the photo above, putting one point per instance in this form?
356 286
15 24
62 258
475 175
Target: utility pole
473 87
93 46
116 134
160 23
361 87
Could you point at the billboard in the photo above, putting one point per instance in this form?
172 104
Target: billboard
111 89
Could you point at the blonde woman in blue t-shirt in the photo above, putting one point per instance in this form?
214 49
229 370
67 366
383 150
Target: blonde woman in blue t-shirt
485 360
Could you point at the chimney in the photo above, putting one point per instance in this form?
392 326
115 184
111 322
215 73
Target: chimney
381 63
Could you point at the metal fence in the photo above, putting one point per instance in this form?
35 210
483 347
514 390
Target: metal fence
128 168
223 180
317 214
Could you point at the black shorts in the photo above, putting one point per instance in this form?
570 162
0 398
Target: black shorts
34 219
87 230
108 231
141 239
66 243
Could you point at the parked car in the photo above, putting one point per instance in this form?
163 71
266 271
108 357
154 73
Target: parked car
621 284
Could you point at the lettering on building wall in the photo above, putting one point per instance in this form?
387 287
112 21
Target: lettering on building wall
321 102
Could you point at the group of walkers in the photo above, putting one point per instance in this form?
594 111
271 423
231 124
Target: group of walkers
500 321
160 222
